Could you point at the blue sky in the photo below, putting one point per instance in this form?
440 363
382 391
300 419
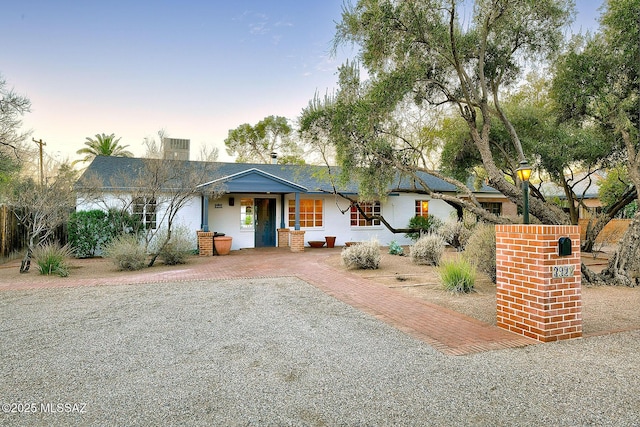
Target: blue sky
194 68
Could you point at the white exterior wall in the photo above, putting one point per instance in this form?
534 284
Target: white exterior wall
188 216
223 218
397 210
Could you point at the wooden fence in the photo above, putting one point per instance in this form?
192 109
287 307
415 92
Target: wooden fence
612 232
13 236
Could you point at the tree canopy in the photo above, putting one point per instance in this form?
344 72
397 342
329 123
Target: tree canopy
103 145
597 83
254 144
12 107
426 52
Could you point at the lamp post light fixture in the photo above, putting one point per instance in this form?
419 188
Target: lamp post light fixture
524 173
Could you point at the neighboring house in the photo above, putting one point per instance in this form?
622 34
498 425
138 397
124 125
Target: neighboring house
259 199
586 188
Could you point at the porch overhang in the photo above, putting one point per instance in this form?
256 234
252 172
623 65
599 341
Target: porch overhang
256 181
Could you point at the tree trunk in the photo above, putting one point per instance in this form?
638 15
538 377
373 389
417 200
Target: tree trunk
25 265
624 266
594 227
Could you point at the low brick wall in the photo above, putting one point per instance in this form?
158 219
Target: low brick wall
297 240
530 299
205 243
283 237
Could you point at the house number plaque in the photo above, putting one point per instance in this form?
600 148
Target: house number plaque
562 270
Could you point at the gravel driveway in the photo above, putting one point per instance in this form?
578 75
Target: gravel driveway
281 352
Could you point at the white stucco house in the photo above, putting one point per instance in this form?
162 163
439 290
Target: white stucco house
259 199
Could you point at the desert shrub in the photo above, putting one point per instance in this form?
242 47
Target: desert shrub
426 225
88 231
428 250
395 248
126 252
363 255
457 275
455 232
52 258
179 247
481 249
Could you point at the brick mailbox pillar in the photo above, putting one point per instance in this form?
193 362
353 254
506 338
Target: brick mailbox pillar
205 243
538 291
297 240
283 237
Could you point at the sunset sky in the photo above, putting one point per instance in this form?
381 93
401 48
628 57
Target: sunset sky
193 68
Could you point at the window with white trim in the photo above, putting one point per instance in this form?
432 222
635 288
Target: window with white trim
311 213
144 209
246 214
370 209
422 208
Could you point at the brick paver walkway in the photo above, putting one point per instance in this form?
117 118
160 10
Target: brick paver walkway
448 331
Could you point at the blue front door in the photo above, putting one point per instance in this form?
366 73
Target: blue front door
265 223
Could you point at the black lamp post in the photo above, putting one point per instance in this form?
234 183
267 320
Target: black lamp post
524 173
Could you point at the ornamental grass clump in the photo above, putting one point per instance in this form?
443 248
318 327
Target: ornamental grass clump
428 250
51 258
458 275
127 253
364 255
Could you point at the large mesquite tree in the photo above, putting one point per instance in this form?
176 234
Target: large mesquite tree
599 85
432 54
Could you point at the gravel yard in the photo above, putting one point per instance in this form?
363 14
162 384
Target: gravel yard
277 351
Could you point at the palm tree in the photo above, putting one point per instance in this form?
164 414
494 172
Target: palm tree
103 145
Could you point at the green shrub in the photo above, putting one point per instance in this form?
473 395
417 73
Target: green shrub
123 222
457 275
126 252
88 231
363 255
179 247
426 225
481 249
455 232
395 248
428 250
52 259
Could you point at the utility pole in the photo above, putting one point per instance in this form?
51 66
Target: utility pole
40 143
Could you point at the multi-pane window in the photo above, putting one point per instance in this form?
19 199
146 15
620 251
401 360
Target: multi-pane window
370 209
311 213
144 209
422 208
246 213
493 207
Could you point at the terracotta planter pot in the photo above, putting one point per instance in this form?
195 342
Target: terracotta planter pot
222 244
331 241
316 243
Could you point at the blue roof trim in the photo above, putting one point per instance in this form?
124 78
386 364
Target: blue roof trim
256 181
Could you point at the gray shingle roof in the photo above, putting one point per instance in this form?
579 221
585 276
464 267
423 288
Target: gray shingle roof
110 170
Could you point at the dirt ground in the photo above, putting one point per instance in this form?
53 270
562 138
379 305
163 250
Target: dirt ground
605 309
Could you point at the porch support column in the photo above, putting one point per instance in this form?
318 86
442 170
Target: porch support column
205 213
297 223
282 211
